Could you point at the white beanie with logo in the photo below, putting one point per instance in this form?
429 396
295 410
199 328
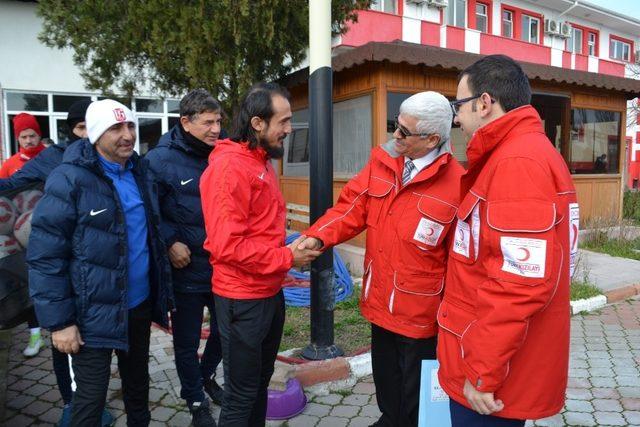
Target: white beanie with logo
101 115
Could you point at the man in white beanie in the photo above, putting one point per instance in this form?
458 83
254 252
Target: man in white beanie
99 273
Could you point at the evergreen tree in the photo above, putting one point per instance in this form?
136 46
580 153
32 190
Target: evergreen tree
172 46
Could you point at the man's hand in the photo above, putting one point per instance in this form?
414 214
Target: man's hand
179 255
302 256
67 340
482 403
310 243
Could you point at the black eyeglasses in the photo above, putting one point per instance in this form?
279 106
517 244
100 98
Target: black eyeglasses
455 105
405 132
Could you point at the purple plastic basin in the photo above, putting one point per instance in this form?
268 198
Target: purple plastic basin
282 405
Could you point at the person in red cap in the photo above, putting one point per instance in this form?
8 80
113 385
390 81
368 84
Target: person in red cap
27 129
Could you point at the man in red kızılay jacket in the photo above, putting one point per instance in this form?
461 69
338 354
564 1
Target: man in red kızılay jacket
504 320
406 198
28 134
244 214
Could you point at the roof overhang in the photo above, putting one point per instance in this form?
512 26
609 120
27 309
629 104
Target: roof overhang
430 56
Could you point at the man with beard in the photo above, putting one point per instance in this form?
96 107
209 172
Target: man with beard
244 214
177 163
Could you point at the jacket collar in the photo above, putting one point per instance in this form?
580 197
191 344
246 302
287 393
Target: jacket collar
227 146
396 164
485 140
83 153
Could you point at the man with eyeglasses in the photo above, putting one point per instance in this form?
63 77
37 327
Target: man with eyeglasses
504 319
406 198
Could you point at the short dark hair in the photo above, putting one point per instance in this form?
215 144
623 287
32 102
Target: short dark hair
258 102
196 102
502 78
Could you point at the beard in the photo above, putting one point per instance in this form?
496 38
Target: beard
272 152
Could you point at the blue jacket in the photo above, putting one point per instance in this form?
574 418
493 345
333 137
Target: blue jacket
177 165
34 171
77 252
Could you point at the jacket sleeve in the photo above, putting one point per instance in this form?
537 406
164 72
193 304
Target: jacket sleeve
522 258
168 231
347 218
49 254
33 172
226 199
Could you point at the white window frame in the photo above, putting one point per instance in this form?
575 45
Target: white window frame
615 45
379 5
486 16
453 4
591 44
528 35
571 42
510 21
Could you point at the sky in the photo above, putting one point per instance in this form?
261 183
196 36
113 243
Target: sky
627 7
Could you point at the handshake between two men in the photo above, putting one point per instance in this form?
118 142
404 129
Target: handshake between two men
305 249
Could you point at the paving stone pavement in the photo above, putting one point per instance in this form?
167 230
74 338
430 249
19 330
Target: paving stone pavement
604 384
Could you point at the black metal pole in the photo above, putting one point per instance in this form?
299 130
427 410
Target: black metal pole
321 177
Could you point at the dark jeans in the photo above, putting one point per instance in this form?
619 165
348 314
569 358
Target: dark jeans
32 320
63 373
186 322
250 332
461 416
92 369
396 362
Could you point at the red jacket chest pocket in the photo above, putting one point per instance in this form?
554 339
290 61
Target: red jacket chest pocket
426 221
379 191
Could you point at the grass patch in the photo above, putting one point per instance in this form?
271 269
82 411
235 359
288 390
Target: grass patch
618 247
352 331
631 206
582 290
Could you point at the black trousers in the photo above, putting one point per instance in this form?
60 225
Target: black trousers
92 369
250 333
396 362
461 416
186 322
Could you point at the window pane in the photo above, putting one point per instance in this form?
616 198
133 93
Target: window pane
390 6
352 130
299 146
149 105
173 106
595 141
394 100
612 49
577 43
61 103
149 132
481 23
534 31
123 101
525 28
27 102
461 8
625 51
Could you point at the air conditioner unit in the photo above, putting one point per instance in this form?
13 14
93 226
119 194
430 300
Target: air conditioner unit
565 30
418 1
551 26
440 4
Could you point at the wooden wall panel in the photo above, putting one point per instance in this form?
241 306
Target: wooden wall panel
599 198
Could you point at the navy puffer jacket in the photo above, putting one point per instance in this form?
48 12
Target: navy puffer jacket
78 259
35 170
177 164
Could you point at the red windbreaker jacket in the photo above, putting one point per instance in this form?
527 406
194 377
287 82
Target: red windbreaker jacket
407 230
504 319
244 214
